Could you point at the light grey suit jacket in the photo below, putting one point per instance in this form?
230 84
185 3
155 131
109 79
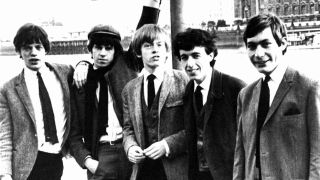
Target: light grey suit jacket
18 137
170 125
290 136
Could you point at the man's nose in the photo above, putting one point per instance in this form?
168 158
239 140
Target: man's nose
103 52
34 51
260 51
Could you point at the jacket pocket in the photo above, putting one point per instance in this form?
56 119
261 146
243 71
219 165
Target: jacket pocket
174 103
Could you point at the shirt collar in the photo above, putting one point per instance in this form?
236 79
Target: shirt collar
205 84
30 73
278 73
159 73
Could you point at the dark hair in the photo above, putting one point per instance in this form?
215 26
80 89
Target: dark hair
191 38
29 34
149 33
106 40
258 23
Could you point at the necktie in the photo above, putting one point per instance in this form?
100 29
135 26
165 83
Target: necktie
198 98
47 111
103 106
151 91
262 113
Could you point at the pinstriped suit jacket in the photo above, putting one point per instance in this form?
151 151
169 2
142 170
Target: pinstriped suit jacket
18 138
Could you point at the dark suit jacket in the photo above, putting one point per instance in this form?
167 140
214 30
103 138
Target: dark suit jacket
18 137
290 135
170 125
126 68
219 131
117 78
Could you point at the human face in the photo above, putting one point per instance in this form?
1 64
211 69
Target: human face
154 54
264 52
196 63
102 55
33 55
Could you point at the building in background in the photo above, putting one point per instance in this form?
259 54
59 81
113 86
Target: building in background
302 17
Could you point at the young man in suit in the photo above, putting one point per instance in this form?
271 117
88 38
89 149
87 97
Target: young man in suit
154 136
279 124
34 112
210 105
97 124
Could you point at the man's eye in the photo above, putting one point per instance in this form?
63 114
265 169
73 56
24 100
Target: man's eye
184 58
39 47
252 46
109 47
26 48
265 45
196 56
146 45
98 47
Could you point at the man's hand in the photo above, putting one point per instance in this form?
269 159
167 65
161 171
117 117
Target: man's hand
80 74
152 3
5 177
155 150
135 154
91 165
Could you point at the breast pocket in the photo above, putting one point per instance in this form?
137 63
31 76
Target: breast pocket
174 103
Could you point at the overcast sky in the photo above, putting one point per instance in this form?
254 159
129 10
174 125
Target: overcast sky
83 14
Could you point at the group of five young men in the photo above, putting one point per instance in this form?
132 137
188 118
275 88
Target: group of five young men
130 117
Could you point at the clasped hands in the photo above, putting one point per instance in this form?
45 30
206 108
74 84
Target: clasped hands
154 151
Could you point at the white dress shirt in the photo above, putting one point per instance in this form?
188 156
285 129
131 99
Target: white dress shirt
55 92
275 79
157 81
205 84
113 122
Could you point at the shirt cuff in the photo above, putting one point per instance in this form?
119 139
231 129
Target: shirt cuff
166 146
87 157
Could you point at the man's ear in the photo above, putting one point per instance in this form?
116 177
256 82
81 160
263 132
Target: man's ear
19 54
284 43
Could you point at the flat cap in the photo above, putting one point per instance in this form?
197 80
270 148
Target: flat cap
104 30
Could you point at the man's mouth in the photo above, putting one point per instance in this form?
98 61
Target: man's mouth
156 57
190 70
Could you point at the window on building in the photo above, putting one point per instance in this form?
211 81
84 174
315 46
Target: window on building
286 10
295 10
304 9
312 8
278 11
270 9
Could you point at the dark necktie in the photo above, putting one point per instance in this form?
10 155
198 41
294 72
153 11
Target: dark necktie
198 98
151 91
47 111
262 113
103 106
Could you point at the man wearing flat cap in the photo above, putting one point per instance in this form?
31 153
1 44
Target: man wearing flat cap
96 124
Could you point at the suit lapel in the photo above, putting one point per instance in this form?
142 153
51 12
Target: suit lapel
22 91
215 92
255 101
283 89
138 109
165 89
62 76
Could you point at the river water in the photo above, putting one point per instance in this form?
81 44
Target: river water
232 61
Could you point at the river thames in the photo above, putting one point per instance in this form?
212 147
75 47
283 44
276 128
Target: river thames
231 61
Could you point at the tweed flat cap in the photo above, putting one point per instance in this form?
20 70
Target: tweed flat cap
104 29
